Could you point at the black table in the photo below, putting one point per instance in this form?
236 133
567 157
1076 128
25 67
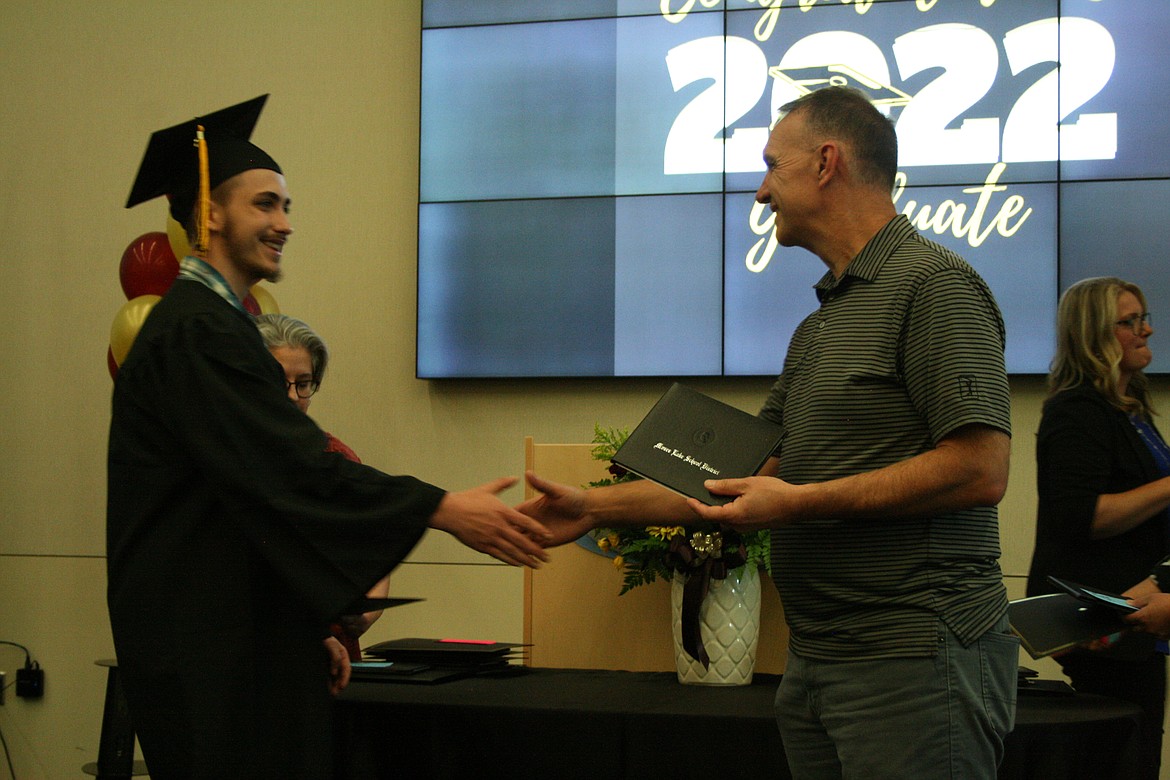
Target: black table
571 723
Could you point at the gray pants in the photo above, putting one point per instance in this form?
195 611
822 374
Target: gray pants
943 717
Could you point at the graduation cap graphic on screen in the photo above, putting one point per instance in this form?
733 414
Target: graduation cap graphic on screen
806 80
174 164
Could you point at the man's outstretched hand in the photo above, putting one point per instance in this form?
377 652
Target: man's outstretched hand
559 508
480 520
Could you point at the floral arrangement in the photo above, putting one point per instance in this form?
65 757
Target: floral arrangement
646 554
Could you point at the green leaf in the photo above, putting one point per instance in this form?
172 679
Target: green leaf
644 556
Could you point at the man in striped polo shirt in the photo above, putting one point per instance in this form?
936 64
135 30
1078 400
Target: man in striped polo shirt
895 406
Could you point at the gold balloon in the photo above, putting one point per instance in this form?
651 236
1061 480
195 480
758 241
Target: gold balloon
264 300
127 322
177 237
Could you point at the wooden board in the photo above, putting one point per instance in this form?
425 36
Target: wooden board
573 616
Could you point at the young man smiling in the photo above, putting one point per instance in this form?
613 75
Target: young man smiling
252 219
233 538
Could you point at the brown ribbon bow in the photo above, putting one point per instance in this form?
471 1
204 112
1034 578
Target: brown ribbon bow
701 558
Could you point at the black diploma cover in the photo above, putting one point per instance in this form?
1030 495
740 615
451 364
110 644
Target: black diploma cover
1058 621
689 437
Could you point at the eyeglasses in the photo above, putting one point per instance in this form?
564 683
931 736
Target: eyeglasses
305 387
1136 323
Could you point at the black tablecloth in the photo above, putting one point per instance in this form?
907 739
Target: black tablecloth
569 723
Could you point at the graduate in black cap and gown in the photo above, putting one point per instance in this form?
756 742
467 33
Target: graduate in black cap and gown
233 538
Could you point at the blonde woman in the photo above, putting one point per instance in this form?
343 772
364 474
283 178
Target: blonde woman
1103 482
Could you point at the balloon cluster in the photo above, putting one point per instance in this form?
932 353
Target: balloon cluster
149 267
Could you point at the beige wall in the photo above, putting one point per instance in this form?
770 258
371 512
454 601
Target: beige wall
81 86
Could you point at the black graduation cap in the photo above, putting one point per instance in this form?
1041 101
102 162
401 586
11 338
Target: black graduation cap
171 165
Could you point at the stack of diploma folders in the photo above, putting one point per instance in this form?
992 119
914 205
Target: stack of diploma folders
437 660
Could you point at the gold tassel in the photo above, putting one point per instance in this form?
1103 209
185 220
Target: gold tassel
203 202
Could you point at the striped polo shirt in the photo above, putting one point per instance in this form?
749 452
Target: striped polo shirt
906 347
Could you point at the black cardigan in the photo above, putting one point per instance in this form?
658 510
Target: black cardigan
1085 448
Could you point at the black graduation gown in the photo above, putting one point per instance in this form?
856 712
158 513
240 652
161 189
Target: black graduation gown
233 539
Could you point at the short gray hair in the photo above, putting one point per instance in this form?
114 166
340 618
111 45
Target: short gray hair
847 114
281 330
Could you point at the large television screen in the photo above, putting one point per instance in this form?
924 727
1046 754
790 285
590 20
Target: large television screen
588 169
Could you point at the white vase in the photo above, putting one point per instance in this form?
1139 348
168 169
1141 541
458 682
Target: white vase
730 626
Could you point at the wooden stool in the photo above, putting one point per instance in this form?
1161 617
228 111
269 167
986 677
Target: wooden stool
116 748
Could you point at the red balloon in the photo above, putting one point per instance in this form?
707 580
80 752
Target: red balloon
111 364
148 266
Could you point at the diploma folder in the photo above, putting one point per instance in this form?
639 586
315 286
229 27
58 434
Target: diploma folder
439 660
1094 596
689 437
407 673
367 604
1059 621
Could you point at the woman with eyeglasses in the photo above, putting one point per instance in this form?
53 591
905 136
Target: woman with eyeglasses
1103 482
303 356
